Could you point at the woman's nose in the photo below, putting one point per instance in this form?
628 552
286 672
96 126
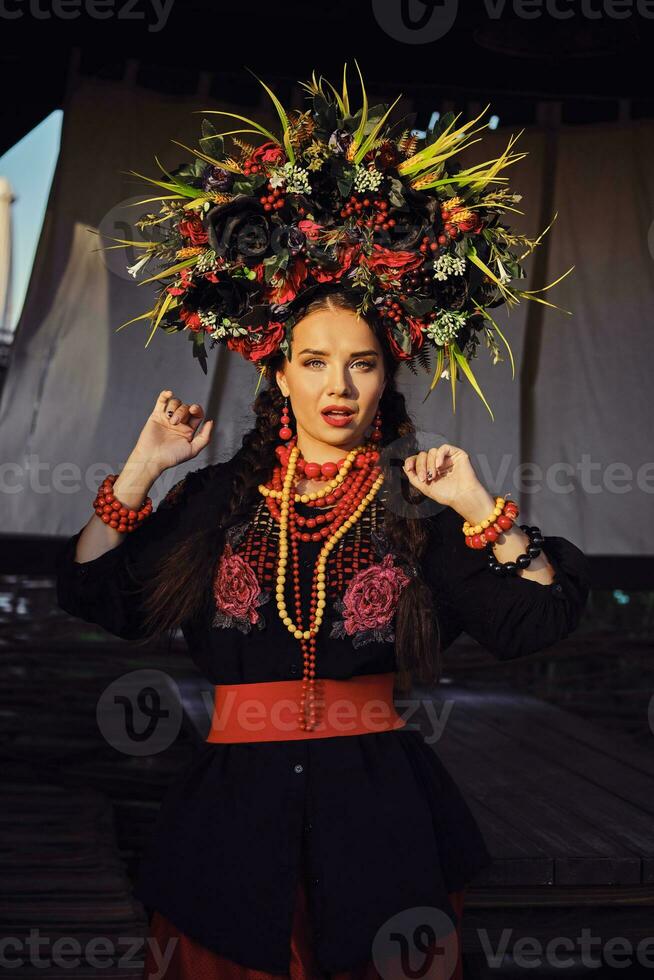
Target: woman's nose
339 381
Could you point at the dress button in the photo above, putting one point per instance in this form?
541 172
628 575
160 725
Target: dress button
315 881
557 587
294 668
299 767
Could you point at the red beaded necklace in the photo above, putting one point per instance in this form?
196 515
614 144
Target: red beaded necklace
357 488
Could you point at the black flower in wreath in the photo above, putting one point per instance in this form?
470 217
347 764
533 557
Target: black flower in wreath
239 230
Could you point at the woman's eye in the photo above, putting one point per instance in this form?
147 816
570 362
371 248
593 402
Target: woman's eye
366 364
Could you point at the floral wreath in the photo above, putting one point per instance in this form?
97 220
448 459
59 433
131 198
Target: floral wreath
338 196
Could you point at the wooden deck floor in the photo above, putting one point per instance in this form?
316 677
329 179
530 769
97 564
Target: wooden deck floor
565 804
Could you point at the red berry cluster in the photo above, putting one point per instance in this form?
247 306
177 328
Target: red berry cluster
451 231
416 281
390 309
427 245
362 207
251 167
274 200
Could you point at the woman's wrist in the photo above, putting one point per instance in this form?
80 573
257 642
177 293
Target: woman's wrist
135 481
474 505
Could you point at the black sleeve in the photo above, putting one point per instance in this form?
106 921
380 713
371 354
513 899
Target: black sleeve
106 590
511 616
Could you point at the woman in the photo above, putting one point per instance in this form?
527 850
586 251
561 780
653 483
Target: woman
288 849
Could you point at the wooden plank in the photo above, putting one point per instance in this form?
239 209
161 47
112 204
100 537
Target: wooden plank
521 706
597 806
585 849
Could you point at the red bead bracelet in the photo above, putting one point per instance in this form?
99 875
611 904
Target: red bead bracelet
114 513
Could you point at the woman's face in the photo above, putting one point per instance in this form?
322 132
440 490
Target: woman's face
336 361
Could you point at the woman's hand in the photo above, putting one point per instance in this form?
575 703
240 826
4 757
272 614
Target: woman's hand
172 434
446 475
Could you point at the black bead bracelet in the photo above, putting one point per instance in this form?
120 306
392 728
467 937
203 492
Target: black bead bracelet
536 542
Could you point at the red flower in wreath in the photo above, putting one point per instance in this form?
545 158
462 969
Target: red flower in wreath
385 260
289 284
193 228
310 228
237 592
348 256
184 284
269 154
417 338
256 350
191 319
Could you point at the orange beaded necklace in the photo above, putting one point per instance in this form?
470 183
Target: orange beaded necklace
350 490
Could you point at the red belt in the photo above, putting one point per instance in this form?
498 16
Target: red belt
270 711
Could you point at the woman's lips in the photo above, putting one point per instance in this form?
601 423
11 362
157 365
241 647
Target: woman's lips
337 420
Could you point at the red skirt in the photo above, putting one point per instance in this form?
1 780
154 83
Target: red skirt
191 961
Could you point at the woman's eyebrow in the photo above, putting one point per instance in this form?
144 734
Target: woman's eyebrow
356 353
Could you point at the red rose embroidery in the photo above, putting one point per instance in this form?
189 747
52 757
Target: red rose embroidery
369 603
237 593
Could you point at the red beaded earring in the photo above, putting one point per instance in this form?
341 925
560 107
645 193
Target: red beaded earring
285 432
376 434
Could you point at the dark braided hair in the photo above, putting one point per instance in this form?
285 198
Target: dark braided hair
172 596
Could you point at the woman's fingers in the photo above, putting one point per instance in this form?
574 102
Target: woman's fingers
196 414
429 464
170 407
162 399
178 412
202 436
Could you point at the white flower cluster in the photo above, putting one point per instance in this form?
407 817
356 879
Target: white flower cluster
446 327
206 261
367 179
295 178
448 265
225 328
207 318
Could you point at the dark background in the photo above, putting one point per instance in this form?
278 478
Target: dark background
589 62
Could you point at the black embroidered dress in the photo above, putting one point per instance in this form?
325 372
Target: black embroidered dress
382 822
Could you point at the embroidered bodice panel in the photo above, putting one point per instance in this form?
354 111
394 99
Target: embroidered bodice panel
364 577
